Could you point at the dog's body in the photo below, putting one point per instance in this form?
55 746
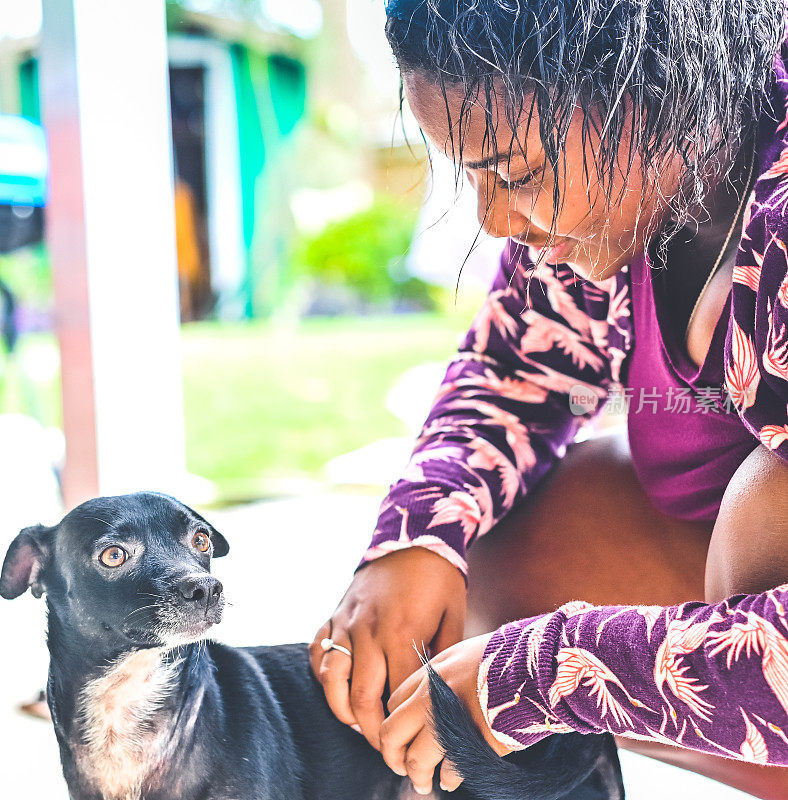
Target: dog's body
144 709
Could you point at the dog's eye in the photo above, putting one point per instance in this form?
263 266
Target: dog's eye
201 542
113 556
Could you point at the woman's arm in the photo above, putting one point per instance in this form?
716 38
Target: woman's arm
712 676
503 414
707 676
501 418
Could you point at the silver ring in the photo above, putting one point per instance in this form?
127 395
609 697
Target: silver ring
329 644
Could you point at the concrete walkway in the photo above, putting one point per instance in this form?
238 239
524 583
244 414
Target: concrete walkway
289 564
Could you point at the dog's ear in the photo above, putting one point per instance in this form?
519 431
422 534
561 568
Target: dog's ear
27 556
220 545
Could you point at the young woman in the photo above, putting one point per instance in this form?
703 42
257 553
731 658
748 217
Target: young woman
636 155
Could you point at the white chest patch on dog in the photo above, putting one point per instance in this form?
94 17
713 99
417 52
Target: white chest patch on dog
118 710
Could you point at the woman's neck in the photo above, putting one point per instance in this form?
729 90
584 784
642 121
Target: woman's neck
692 254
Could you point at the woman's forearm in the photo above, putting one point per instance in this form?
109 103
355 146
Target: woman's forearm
709 677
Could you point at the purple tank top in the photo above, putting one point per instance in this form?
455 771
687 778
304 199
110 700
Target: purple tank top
686 442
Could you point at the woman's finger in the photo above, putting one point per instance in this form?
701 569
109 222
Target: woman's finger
316 651
407 688
421 758
367 684
334 674
450 779
399 730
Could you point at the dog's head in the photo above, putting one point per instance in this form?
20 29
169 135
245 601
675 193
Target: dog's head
132 570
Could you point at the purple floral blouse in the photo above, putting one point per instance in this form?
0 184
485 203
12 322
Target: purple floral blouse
707 677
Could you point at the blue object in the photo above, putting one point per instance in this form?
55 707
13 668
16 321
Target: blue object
24 164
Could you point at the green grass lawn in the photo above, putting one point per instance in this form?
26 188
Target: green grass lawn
264 406
267 405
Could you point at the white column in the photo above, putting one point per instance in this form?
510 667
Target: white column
111 235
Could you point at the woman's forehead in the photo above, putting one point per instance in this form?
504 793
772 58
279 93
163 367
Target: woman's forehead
450 120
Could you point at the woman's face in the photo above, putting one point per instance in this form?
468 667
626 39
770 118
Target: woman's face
515 197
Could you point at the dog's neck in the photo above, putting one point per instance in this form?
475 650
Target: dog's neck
122 715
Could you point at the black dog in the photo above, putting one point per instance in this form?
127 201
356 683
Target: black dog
143 707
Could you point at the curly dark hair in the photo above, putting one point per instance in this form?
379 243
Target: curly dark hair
695 74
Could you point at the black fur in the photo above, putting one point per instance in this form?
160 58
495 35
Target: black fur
233 723
569 765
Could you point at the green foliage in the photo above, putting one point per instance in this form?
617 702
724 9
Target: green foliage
28 274
365 253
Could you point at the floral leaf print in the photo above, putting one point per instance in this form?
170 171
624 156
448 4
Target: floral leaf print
491 712
747 216
781 244
493 315
775 729
757 636
517 387
574 608
560 382
619 309
544 334
649 613
457 507
561 301
681 638
414 471
778 170
775 356
741 373
576 666
517 435
548 726
534 641
782 292
753 748
748 276
772 436
488 457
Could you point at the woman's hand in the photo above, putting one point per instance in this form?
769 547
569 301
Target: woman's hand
408 742
406 600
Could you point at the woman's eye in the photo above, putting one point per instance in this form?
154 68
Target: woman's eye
113 556
520 183
201 541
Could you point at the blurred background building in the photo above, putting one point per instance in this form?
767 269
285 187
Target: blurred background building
317 252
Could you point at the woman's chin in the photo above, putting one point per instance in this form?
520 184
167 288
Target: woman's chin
596 270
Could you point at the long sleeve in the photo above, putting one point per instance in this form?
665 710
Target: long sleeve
756 348
538 362
708 677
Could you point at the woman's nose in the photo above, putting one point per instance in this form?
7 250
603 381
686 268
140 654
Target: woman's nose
496 210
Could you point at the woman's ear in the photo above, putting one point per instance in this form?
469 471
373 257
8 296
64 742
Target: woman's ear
25 560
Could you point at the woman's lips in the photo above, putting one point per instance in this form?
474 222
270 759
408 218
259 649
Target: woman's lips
555 254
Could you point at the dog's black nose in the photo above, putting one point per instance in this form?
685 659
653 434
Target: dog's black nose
200 589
